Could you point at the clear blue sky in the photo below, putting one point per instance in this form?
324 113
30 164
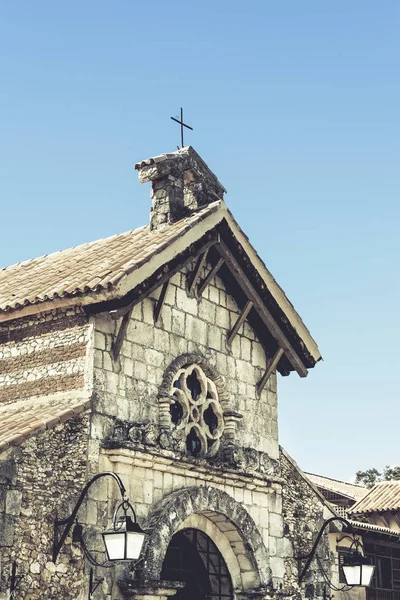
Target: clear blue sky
295 106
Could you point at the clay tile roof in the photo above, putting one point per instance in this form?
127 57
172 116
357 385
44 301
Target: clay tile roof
351 490
383 496
93 267
372 527
25 418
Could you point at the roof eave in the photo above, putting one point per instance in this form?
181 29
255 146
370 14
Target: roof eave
274 288
218 213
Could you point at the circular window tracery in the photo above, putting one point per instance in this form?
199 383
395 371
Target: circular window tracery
196 411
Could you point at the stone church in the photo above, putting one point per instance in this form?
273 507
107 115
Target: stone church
154 355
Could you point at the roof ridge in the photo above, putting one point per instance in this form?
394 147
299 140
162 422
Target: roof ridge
337 480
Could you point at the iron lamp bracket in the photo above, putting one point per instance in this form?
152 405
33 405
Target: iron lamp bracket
62 527
308 557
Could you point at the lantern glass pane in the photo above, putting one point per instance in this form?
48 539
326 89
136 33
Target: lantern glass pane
115 545
358 574
352 574
367 572
134 544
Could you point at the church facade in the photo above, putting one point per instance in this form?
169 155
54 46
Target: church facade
154 355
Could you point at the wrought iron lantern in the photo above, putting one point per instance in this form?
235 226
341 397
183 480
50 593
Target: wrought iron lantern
357 569
124 540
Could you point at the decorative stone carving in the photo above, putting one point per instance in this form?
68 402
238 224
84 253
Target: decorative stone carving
172 440
247 459
267 465
231 418
207 364
144 432
229 454
196 411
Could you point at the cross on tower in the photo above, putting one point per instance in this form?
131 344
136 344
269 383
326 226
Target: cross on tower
182 124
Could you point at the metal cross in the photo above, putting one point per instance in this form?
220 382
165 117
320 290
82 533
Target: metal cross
182 124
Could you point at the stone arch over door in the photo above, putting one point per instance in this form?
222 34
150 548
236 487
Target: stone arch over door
219 516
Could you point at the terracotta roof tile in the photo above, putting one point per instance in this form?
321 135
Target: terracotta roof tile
372 527
351 490
383 496
91 267
24 418
104 270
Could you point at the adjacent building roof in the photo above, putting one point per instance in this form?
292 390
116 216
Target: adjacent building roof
373 528
382 497
350 490
25 418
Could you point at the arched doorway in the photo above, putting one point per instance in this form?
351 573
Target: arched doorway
193 558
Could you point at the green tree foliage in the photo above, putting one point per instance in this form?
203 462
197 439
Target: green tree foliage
372 476
390 473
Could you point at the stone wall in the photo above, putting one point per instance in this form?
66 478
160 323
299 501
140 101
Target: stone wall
42 476
43 354
235 497
127 396
304 512
240 512
129 388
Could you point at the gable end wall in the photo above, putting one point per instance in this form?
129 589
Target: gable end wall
128 388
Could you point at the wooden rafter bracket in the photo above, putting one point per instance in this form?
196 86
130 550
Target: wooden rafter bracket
271 366
261 309
117 345
240 320
160 302
396 517
207 280
120 312
193 279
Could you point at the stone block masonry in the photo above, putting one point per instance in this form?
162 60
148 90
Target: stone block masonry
129 388
304 512
238 498
42 476
153 479
43 355
172 406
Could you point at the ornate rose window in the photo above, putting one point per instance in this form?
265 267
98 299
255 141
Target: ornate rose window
196 411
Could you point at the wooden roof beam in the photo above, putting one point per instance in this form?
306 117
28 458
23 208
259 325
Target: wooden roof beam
271 366
239 322
117 345
160 302
209 277
261 309
120 312
196 273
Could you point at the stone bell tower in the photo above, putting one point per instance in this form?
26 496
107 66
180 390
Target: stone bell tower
181 182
